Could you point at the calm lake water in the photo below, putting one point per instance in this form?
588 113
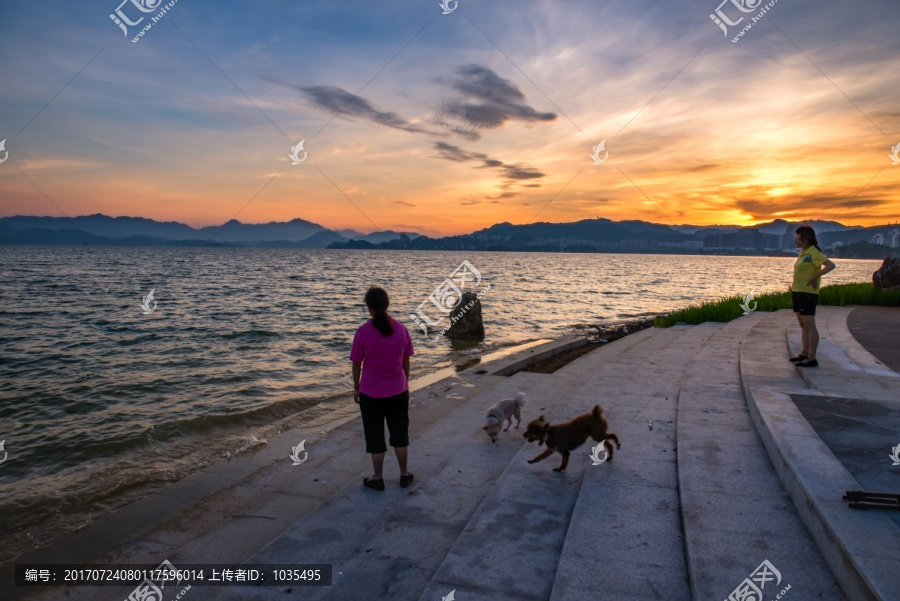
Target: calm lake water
99 400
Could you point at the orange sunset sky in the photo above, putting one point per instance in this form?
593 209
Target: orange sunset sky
444 124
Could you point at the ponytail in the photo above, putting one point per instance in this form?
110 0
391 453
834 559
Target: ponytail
808 235
377 300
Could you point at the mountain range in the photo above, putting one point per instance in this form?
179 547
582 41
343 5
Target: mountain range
140 231
589 235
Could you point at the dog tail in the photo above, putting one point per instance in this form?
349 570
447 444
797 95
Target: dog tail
597 412
520 399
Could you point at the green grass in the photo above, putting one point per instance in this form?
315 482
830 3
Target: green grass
728 308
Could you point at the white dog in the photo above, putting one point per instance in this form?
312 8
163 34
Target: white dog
504 410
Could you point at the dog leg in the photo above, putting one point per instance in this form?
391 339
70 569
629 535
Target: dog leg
542 456
609 450
508 424
565 462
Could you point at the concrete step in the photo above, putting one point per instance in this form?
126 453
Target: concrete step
861 547
511 547
392 542
735 511
765 353
845 367
625 534
389 544
243 504
530 507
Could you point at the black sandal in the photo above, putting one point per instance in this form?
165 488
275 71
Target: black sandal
798 359
808 363
406 480
373 483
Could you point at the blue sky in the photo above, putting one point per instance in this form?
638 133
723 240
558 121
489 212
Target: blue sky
489 114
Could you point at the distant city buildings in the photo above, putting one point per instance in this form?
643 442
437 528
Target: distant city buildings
744 239
892 239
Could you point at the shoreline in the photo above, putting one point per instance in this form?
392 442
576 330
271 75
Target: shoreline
193 508
330 412
335 409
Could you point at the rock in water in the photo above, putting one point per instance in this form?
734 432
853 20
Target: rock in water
888 275
466 319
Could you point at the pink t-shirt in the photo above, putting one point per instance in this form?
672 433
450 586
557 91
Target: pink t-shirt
382 358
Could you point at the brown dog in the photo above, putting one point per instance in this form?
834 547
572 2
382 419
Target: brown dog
565 438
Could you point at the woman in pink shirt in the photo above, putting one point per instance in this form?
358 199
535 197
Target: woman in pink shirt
380 354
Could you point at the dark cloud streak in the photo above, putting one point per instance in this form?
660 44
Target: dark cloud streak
339 101
510 173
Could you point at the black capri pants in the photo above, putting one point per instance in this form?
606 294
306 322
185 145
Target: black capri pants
375 411
804 302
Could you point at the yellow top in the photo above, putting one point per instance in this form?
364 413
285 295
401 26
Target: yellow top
807 265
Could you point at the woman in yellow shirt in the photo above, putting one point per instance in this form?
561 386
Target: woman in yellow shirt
810 266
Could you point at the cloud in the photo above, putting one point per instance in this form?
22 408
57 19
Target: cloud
493 101
797 207
510 173
340 102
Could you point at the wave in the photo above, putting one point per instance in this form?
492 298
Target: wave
251 334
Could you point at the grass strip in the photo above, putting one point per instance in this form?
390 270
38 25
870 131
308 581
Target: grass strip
728 308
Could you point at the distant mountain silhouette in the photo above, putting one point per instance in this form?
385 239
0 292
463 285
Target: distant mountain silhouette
588 235
374 237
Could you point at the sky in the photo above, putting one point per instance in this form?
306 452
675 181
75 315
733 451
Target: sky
442 124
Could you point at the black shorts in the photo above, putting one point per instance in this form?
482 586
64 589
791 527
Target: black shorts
804 302
375 411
